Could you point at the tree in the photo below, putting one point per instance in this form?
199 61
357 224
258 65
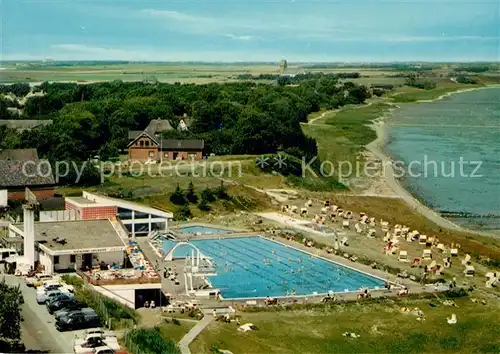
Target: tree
10 313
178 197
208 195
221 191
190 194
203 205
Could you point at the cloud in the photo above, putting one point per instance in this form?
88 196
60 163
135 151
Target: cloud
173 15
240 38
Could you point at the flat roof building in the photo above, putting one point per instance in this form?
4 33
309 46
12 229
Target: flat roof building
74 244
138 219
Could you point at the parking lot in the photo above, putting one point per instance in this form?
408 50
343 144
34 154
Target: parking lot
38 328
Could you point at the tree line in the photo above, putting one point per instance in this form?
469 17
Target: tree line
232 118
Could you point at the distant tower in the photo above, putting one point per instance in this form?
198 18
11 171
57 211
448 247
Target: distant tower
29 208
283 66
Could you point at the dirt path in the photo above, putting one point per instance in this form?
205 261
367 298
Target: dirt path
322 115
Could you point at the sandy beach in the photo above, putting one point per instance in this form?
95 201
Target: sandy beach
377 147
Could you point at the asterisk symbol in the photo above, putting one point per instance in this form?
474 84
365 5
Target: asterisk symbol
280 161
262 161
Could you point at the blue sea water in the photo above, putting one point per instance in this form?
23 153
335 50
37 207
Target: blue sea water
202 230
243 273
439 135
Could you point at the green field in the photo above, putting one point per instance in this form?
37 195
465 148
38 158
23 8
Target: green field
381 326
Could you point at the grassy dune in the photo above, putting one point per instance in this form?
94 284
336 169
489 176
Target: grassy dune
381 325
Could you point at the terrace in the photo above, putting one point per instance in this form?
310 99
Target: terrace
119 277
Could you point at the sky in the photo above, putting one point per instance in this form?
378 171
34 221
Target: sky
252 30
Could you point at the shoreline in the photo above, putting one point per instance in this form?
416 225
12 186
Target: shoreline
377 147
451 93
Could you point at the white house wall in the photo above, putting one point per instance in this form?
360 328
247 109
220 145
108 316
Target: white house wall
64 263
125 293
46 261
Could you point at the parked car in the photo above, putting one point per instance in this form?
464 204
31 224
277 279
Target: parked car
41 298
66 302
67 311
6 253
77 320
96 341
91 332
30 281
62 296
45 280
48 287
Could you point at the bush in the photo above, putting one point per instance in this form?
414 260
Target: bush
178 197
72 280
461 79
114 309
175 321
454 293
183 213
191 195
221 191
203 205
150 341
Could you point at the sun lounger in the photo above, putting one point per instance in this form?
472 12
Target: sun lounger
452 319
422 239
469 271
427 254
345 224
403 256
454 252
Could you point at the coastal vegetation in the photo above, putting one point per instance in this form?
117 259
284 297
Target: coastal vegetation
381 325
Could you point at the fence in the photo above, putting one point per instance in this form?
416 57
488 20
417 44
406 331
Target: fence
103 312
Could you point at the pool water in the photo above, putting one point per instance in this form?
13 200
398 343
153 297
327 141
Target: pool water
243 272
202 230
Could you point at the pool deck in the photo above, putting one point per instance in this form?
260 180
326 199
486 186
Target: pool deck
227 230
179 290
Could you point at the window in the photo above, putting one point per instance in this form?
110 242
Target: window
56 259
151 154
141 143
72 258
146 142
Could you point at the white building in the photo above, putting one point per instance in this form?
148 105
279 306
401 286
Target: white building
138 220
74 244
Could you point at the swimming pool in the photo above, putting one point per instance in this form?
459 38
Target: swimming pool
249 267
202 230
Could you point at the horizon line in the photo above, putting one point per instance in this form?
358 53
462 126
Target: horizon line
414 61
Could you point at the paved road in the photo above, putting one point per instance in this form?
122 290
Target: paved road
38 328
